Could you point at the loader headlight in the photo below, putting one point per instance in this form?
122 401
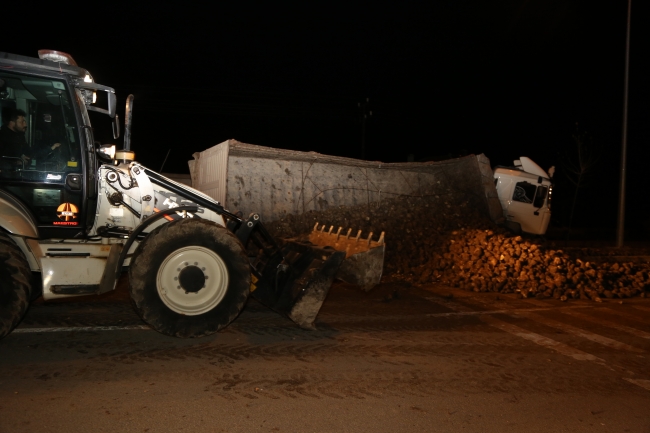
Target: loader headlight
106 151
90 97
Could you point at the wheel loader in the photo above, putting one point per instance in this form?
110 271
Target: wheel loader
76 213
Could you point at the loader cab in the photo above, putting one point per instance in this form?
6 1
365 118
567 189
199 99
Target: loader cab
525 192
49 168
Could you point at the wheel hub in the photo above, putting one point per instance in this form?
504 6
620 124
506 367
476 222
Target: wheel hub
191 279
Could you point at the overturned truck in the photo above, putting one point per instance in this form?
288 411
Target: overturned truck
283 184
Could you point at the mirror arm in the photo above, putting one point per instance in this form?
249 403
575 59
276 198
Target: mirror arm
99 110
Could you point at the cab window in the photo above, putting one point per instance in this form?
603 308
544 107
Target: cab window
40 152
524 192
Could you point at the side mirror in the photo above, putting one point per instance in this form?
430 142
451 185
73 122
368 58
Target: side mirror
116 127
112 104
112 99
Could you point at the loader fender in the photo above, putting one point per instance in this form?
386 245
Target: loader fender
15 218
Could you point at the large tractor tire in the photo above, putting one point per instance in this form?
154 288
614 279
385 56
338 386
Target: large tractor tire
189 278
15 285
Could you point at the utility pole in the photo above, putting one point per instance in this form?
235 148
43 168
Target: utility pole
365 113
620 230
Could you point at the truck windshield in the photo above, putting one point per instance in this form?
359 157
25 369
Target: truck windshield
39 140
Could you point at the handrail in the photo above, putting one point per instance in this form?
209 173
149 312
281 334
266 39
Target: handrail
15 157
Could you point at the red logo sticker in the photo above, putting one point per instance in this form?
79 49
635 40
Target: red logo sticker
67 212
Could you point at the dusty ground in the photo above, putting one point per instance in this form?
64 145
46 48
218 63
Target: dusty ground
399 359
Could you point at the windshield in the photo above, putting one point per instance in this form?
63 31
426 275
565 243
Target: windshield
39 139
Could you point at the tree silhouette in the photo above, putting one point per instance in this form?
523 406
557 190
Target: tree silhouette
578 163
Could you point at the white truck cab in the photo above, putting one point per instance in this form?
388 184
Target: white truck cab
525 194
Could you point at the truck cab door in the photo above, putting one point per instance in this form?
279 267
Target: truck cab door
528 207
50 181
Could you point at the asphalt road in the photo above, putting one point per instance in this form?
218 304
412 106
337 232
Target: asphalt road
398 359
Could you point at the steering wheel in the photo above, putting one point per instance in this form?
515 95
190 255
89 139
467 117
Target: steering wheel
54 160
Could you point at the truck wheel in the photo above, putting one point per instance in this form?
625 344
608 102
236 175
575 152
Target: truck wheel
189 278
15 288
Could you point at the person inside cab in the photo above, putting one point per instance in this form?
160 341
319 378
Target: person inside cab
13 143
12 136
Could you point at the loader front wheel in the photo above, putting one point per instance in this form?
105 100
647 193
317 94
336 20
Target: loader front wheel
15 287
189 278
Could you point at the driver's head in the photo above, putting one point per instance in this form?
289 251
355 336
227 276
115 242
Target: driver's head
16 120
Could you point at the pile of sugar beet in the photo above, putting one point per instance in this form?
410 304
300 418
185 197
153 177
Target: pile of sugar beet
453 242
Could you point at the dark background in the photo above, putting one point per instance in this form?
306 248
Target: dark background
443 79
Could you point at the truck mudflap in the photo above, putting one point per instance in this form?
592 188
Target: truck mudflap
364 258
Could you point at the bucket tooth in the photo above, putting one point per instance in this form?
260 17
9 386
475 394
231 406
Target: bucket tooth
364 258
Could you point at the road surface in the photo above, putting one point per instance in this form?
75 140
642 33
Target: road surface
397 359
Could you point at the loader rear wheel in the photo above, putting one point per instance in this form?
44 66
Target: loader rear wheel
189 278
15 287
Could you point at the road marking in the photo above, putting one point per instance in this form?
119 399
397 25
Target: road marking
462 310
605 341
535 302
449 304
622 314
542 341
80 329
643 383
545 341
600 320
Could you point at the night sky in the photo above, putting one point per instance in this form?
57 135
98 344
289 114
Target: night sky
443 78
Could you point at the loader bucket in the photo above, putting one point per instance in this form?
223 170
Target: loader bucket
296 280
364 258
